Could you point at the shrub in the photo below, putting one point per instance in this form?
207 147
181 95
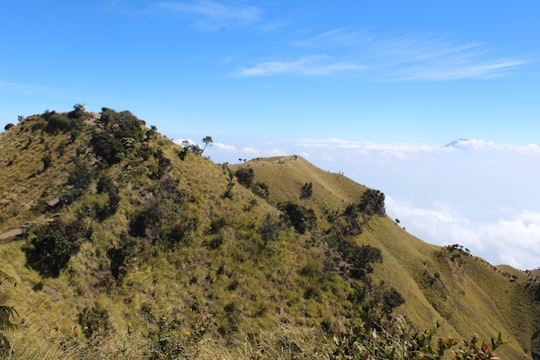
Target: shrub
306 191
260 189
120 256
94 320
106 185
79 177
56 122
52 245
396 339
147 217
47 160
120 131
269 230
299 217
358 258
106 146
372 202
79 110
245 176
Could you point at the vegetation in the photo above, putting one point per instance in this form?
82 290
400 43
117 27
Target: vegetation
52 244
122 247
399 340
7 314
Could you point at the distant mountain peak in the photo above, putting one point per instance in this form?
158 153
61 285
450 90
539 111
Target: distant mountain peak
456 142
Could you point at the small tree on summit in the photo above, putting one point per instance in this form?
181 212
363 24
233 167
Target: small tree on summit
207 140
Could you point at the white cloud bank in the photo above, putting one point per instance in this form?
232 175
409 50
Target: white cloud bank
513 241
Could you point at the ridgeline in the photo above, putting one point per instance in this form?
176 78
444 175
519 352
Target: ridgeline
125 245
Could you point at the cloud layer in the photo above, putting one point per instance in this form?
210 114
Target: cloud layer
514 240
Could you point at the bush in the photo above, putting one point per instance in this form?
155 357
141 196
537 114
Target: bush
269 230
47 160
245 176
299 217
306 191
120 256
94 320
145 218
79 177
106 185
52 245
358 258
372 202
396 339
56 122
260 189
119 133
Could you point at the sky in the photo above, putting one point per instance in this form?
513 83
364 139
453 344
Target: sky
435 103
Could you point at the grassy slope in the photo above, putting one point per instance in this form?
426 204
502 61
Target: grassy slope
468 296
237 285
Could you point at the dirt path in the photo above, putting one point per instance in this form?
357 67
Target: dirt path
11 233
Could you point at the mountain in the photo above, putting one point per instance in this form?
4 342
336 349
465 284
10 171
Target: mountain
456 142
123 245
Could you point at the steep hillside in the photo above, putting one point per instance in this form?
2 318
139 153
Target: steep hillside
125 245
446 284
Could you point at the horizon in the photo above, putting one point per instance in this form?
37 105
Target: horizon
374 90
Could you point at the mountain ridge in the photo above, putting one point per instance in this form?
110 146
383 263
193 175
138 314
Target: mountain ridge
269 247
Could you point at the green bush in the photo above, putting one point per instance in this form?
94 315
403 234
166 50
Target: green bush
260 189
79 177
94 320
105 185
301 218
117 135
269 230
397 339
372 202
245 176
52 245
60 122
120 256
306 191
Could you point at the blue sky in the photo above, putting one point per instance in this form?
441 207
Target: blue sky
371 88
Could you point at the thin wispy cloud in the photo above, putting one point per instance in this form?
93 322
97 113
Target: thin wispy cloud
424 57
211 13
23 88
310 65
437 57
334 38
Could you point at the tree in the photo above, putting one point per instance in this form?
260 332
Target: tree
207 140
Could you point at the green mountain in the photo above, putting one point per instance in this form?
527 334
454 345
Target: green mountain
124 245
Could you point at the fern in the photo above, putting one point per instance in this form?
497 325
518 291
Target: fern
7 314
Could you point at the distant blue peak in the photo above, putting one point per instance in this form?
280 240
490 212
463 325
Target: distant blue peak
455 142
